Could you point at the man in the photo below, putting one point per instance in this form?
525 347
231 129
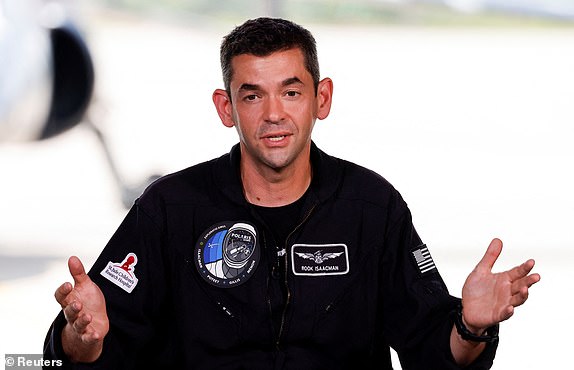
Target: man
276 255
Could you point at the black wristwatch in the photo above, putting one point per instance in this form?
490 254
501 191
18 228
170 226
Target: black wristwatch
490 336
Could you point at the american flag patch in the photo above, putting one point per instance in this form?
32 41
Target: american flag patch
423 259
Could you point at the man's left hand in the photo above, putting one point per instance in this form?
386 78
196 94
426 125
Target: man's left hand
489 298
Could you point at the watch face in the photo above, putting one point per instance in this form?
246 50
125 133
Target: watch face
227 254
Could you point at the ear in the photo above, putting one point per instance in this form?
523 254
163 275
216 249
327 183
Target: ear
324 97
224 107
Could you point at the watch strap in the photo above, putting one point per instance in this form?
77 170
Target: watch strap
489 336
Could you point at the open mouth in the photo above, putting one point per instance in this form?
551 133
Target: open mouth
276 138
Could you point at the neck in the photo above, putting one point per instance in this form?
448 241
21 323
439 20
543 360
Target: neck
264 186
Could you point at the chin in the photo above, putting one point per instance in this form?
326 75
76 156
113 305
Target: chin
278 162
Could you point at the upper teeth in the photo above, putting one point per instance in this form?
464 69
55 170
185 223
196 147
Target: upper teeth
276 138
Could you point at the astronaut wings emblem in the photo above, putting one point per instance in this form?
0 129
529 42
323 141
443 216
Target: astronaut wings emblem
319 259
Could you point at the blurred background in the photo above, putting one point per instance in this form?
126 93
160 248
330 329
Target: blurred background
466 106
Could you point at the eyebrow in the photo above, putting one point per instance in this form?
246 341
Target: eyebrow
249 87
291 81
255 87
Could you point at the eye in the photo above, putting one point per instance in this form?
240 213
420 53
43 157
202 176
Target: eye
250 97
292 93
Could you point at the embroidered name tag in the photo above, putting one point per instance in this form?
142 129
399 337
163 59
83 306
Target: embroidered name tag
319 259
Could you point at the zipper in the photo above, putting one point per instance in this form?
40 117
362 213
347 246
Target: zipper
267 282
286 281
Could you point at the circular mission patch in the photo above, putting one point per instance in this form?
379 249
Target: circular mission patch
227 254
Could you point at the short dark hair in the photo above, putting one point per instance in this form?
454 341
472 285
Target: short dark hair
264 36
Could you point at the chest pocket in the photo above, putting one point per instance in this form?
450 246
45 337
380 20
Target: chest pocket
334 292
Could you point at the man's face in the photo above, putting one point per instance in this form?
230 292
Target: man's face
274 107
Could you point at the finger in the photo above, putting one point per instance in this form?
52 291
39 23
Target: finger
72 311
533 279
62 292
77 270
506 313
90 336
521 271
492 253
519 298
81 324
526 281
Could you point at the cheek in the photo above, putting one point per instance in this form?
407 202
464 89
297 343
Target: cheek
301 114
243 125
246 115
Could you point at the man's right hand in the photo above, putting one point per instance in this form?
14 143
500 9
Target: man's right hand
84 307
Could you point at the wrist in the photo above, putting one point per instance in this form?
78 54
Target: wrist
78 351
471 328
472 333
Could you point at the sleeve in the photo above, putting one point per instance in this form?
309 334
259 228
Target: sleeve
417 305
131 272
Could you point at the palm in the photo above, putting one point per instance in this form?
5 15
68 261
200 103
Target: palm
94 305
489 298
89 303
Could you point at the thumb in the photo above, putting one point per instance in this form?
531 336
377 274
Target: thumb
77 270
492 253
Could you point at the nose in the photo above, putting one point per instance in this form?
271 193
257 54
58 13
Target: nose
274 110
